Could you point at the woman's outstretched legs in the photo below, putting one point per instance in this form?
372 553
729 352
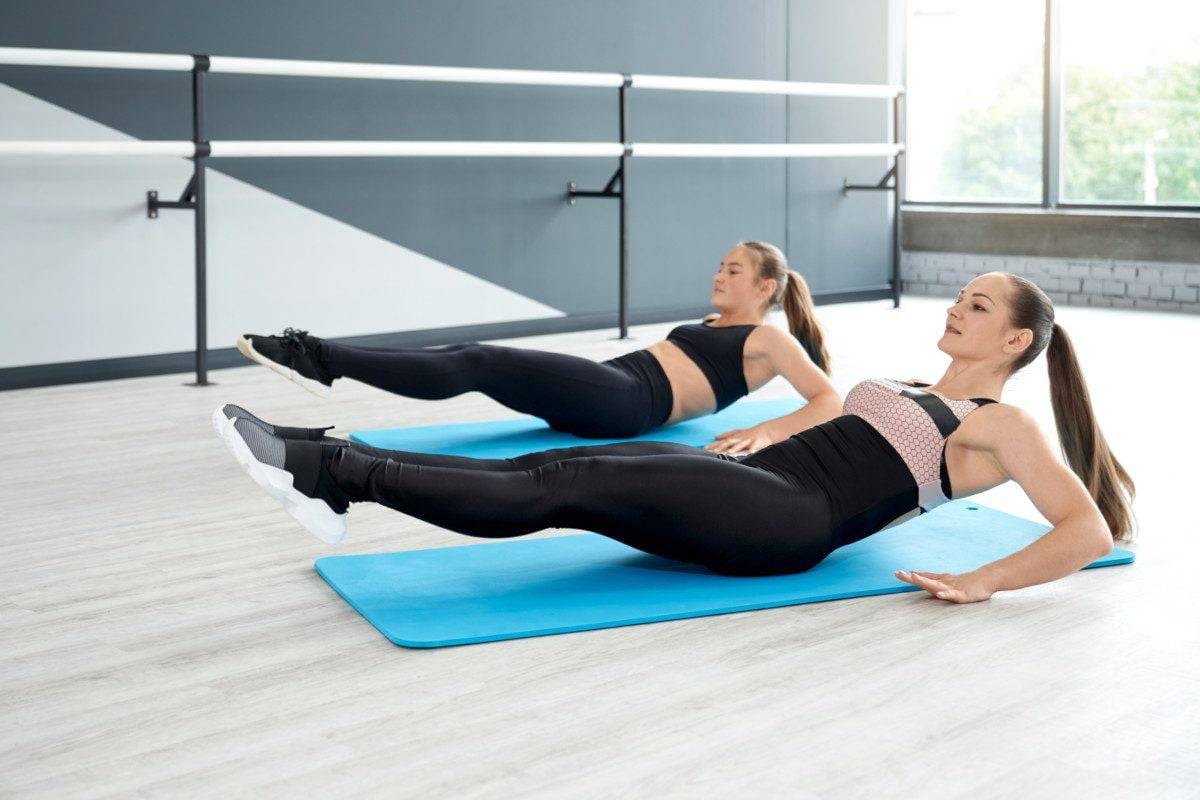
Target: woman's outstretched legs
732 518
572 393
618 398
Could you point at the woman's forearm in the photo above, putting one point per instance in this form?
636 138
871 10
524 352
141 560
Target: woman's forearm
1067 548
820 408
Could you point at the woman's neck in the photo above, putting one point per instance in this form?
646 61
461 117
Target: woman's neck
967 379
725 318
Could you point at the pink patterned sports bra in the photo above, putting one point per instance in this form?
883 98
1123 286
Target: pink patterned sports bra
916 423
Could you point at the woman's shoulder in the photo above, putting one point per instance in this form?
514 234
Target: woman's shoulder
771 340
992 424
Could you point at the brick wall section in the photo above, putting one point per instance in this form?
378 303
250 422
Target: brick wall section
1075 282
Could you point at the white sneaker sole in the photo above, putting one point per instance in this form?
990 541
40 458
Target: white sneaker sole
316 387
315 515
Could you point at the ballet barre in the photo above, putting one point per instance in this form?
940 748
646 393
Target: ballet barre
199 149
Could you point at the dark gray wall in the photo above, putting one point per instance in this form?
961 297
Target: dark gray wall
504 220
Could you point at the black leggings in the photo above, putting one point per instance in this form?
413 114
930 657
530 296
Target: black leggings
620 398
670 500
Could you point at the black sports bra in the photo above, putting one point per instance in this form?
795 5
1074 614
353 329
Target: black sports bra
718 352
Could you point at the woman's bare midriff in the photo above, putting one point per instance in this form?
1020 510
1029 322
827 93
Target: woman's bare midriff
693 396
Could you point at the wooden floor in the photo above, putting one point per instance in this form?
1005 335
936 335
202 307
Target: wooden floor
164 633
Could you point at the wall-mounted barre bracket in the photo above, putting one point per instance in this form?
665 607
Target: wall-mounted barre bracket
609 189
186 200
882 186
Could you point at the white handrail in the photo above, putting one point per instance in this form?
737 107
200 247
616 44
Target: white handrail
671 150
32 56
418 149
410 72
293 149
687 84
103 59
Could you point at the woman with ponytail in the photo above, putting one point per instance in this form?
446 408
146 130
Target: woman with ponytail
1079 436
895 450
772 352
699 369
998 325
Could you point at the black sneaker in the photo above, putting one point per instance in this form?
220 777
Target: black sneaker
293 354
293 471
229 411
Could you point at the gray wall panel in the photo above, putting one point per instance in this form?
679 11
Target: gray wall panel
838 242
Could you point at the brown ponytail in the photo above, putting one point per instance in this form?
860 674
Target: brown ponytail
791 291
1083 444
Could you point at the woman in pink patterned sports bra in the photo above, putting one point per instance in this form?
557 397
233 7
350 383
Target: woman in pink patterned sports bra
897 449
940 448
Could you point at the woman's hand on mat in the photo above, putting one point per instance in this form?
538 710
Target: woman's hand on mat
740 440
969 587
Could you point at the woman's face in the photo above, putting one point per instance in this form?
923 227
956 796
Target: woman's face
977 324
736 285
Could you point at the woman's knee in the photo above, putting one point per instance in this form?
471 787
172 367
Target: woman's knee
473 355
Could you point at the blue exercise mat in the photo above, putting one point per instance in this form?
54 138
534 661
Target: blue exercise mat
505 438
535 587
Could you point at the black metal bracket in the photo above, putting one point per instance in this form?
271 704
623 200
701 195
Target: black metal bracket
882 186
186 200
610 189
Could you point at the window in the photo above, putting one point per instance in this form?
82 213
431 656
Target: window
1127 116
1131 102
974 103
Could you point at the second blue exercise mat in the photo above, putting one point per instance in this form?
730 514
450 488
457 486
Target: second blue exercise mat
505 438
534 587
